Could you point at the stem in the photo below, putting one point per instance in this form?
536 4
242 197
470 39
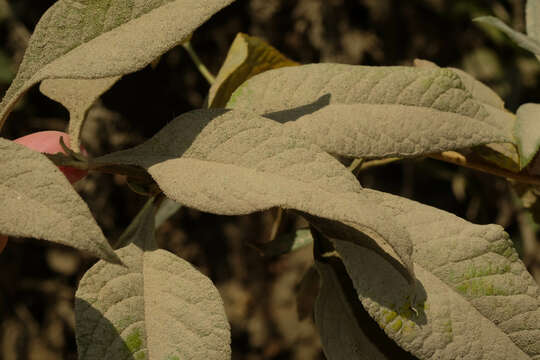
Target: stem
202 68
277 222
458 159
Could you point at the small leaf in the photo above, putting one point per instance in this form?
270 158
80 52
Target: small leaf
247 57
77 95
38 201
286 243
470 282
104 39
527 132
528 43
232 162
156 307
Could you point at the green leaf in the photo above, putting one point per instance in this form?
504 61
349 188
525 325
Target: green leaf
470 285
77 95
527 132
38 201
232 162
247 57
157 306
376 112
103 39
527 42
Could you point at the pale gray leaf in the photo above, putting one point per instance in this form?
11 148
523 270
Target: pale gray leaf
104 39
38 201
527 132
157 306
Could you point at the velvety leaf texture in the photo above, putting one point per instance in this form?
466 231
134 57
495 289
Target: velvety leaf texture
156 307
374 112
527 132
474 297
94 39
38 201
532 14
77 95
233 162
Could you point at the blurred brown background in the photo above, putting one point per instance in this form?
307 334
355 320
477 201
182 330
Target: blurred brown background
38 279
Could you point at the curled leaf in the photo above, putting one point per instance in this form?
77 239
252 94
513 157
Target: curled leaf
247 57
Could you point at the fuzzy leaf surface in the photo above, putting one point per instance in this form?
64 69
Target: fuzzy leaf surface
38 201
532 17
232 162
470 285
478 90
156 307
95 39
527 132
77 95
375 111
247 57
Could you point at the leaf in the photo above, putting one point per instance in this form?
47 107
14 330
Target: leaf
470 285
156 307
527 132
478 90
524 41
248 56
373 112
38 201
286 243
532 14
232 162
373 131
341 334
77 95
104 39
